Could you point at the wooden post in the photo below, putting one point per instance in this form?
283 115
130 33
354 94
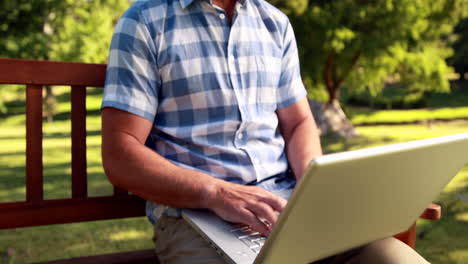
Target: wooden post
34 164
78 136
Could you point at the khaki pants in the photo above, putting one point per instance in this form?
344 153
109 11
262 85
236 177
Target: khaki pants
177 243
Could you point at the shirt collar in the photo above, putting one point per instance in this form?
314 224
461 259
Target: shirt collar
186 3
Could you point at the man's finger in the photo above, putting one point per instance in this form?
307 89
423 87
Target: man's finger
276 202
263 212
251 220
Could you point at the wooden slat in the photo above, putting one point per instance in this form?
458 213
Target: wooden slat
147 256
408 237
34 165
78 134
24 214
15 71
119 191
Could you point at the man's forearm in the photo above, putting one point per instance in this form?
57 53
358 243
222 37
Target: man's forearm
133 166
300 134
303 146
138 169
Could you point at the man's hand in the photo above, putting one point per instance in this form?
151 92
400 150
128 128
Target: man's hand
248 205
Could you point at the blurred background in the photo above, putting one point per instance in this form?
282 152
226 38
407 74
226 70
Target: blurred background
377 72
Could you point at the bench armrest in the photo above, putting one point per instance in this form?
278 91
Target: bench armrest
432 212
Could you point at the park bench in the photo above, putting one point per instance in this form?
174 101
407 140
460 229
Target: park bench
37 211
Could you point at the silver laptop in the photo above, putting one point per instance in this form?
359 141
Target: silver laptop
343 201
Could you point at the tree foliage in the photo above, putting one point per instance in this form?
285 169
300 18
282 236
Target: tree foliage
361 44
62 30
66 30
89 26
22 26
459 59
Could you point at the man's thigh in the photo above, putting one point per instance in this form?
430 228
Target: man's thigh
385 251
178 243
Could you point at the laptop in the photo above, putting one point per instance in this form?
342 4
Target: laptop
343 201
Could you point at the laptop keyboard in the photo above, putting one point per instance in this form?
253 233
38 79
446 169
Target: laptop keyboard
250 237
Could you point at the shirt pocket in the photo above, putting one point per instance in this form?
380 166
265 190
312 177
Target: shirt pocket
268 71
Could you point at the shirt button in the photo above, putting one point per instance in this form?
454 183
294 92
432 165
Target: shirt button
222 16
240 136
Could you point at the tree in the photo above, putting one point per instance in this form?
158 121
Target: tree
89 26
361 44
63 30
459 60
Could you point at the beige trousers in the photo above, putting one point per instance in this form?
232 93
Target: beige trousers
177 243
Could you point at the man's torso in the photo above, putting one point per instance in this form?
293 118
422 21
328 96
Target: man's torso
217 86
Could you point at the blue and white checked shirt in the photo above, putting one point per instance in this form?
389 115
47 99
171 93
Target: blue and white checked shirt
211 89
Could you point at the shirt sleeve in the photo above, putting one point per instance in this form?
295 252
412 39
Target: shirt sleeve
132 79
291 87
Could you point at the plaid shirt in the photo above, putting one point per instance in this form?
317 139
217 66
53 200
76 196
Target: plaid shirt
210 89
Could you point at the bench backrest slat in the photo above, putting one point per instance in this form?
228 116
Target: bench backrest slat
34 165
24 214
78 135
14 71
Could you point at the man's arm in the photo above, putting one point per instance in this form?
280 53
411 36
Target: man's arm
128 163
301 135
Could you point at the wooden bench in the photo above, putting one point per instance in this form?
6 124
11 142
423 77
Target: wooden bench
37 211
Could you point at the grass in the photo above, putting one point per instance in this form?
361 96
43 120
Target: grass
377 135
440 106
366 116
444 241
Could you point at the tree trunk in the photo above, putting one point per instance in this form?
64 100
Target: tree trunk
50 100
331 119
329 116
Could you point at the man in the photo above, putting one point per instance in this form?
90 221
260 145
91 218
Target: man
204 108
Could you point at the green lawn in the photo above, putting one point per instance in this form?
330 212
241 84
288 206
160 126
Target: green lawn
365 116
445 241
